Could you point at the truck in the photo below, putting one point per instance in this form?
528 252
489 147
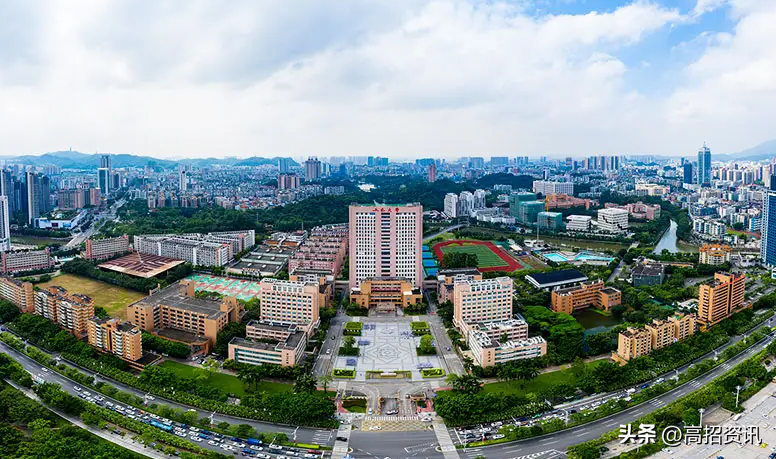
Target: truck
253 441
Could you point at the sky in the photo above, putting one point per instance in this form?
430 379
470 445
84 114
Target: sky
397 78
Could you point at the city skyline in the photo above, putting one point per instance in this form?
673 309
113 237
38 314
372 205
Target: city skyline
388 78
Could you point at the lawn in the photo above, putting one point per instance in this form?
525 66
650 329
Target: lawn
537 384
485 257
113 298
224 381
490 257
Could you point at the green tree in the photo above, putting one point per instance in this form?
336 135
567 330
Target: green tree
426 344
305 383
468 384
8 311
251 375
324 381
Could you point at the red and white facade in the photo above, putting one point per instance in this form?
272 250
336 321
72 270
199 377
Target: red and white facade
385 241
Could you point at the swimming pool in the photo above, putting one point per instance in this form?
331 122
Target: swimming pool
570 257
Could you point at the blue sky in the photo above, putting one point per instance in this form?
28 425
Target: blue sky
400 78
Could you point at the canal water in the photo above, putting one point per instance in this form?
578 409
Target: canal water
668 241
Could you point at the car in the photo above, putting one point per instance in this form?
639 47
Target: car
497 424
195 439
342 439
449 348
45 370
498 436
194 359
76 388
369 411
212 442
426 420
192 428
328 351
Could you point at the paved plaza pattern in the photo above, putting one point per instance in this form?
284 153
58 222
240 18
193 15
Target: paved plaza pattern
388 347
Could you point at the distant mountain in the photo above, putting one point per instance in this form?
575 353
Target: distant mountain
78 160
765 150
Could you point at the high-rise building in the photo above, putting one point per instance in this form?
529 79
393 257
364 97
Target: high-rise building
283 165
184 180
452 208
38 189
7 189
105 175
687 172
704 165
385 241
720 297
432 173
289 302
288 181
768 229
547 188
5 225
312 169
70 311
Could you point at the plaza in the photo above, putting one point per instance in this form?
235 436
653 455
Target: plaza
388 347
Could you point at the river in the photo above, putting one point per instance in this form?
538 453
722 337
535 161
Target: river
668 241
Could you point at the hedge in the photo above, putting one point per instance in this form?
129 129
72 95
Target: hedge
432 372
344 373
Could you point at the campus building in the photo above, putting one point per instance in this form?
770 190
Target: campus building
547 188
385 242
387 293
768 227
25 260
571 299
69 311
715 254
639 210
175 313
482 312
720 298
488 352
100 249
18 292
448 277
613 220
212 249
583 223
5 224
552 221
323 252
292 302
112 336
648 274
255 350
638 342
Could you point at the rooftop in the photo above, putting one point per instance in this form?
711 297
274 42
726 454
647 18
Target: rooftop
553 278
175 297
649 270
141 264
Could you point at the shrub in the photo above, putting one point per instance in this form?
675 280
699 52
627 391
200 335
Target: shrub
432 372
344 373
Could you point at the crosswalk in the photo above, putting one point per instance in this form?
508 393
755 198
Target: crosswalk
471 453
322 437
656 402
391 418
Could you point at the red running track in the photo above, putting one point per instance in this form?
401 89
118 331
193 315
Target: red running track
510 264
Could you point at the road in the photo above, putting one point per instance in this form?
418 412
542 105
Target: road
616 273
445 230
303 434
108 214
382 444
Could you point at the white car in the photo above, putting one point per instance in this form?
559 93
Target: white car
77 389
211 442
497 436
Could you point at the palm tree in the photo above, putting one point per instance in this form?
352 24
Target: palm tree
324 381
469 384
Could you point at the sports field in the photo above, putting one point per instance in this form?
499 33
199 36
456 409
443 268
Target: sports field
490 257
227 286
111 297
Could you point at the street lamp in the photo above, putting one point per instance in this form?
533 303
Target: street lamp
738 390
701 410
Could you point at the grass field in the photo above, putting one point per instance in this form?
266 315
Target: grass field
538 383
36 241
228 382
114 299
485 257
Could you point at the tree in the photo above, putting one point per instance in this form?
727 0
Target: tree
460 260
324 381
426 344
468 384
251 375
209 367
305 383
8 311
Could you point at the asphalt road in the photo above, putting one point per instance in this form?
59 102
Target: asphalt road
384 444
303 434
443 231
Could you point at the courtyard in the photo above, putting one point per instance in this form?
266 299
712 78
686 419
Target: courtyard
388 348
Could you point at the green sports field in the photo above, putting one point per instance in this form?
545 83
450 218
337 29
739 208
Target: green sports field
485 257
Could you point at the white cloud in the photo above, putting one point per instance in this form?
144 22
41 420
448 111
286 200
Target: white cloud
393 77
707 6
